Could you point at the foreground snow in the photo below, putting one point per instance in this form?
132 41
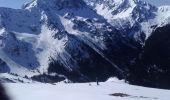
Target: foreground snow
84 91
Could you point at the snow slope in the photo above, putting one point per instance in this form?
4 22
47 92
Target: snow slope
14 78
84 91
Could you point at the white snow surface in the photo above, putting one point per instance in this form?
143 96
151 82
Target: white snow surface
83 91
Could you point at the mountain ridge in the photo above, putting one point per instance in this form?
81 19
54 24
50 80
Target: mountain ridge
77 40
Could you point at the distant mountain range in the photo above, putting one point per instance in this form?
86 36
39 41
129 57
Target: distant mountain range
53 40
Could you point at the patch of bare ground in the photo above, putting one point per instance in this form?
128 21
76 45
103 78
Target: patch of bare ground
131 96
119 95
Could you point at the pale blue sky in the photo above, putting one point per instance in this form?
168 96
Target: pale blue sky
18 3
158 2
12 3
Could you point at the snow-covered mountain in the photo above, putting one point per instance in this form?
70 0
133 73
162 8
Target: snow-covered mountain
125 14
76 39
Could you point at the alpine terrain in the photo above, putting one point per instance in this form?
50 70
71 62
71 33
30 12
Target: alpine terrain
84 41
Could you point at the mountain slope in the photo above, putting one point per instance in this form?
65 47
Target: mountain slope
65 36
78 40
152 68
126 14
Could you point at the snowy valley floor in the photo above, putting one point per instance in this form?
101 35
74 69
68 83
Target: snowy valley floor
111 90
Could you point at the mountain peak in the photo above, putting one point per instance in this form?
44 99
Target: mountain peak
57 4
123 9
